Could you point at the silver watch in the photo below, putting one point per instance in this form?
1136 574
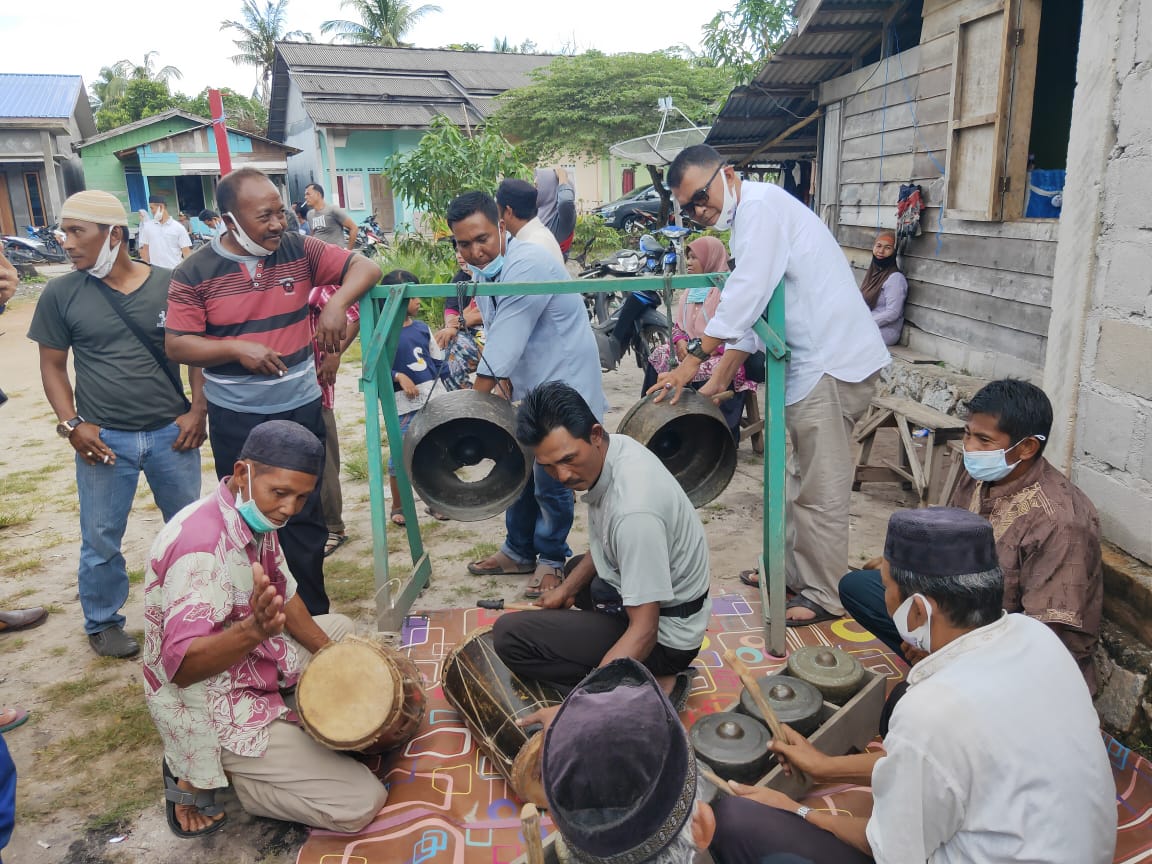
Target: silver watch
803 812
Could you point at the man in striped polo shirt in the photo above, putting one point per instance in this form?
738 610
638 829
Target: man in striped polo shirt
239 308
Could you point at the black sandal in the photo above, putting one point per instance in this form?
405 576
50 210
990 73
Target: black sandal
204 801
803 602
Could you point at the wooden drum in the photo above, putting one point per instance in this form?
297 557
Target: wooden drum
356 694
491 698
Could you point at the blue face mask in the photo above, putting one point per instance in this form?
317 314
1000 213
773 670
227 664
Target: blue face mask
253 515
989 466
490 270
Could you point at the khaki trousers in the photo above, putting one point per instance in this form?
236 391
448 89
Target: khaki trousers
819 486
331 498
299 780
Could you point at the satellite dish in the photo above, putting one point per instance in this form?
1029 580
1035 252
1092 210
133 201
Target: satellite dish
661 148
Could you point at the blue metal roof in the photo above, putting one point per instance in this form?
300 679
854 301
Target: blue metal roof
38 95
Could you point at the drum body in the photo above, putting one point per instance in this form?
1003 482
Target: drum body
356 694
491 698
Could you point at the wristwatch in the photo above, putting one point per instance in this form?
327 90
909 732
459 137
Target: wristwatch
696 350
803 812
65 429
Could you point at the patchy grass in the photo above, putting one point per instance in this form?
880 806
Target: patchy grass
13 514
9 645
481 551
53 608
27 563
348 581
354 462
11 600
57 650
354 353
135 575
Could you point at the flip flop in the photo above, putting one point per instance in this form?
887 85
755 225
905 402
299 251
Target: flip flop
535 587
19 718
439 517
800 600
751 578
335 541
397 518
519 570
204 801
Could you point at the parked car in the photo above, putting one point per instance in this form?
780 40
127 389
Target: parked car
636 212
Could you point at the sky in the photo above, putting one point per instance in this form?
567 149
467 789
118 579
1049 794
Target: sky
76 37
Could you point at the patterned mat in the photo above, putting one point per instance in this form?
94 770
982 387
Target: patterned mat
446 804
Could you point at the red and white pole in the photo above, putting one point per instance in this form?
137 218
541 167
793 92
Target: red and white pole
216 106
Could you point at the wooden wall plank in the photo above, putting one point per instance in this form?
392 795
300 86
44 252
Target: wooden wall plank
917 167
929 136
859 79
996 253
1043 230
923 112
979 334
1024 317
944 18
1028 288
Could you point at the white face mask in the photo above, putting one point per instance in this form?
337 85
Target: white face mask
106 259
247 243
921 637
727 209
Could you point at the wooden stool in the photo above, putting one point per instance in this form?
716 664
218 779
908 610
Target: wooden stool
752 424
890 412
955 466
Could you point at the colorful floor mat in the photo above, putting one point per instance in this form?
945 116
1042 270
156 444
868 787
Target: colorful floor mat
446 805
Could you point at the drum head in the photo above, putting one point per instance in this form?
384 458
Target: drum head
347 691
835 673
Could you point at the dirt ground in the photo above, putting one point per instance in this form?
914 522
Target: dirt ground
88 760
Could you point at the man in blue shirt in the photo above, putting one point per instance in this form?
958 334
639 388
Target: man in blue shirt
530 339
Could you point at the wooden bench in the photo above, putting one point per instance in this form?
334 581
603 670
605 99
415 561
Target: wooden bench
752 424
916 464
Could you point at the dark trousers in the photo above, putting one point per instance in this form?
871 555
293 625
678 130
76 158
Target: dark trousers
748 832
303 538
562 646
862 594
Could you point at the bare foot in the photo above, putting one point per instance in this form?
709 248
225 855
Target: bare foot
189 816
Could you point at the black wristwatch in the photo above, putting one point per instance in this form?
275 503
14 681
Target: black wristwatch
696 350
65 429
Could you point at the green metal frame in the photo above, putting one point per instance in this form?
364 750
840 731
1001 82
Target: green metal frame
382 313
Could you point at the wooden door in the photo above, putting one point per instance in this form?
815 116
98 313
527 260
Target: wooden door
7 219
383 204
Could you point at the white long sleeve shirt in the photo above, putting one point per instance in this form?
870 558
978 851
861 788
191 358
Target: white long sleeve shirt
828 326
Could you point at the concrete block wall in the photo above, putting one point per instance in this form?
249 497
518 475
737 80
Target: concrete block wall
1112 455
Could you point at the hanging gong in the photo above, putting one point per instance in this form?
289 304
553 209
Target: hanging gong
795 702
690 438
835 673
462 455
734 745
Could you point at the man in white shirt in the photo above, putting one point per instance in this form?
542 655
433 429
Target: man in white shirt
162 241
993 754
837 354
517 202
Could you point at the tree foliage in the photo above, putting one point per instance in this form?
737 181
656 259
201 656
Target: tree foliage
743 39
240 112
382 22
142 98
581 105
448 161
260 30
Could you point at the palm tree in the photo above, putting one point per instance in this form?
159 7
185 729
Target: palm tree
108 87
146 71
259 33
382 22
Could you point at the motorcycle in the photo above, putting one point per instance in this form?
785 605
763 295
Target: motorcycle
369 237
40 246
660 259
649 329
621 264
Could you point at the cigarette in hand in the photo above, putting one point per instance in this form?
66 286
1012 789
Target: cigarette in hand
106 458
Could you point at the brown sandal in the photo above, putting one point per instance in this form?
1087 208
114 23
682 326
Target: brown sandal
536 587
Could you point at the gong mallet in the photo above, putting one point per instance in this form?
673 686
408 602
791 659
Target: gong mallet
530 825
499 605
753 688
715 779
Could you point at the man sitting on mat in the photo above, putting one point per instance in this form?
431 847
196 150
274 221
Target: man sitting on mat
225 632
993 754
643 587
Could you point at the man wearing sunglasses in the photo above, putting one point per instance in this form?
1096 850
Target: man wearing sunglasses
837 354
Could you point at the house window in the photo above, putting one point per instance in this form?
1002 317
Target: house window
353 191
1013 76
35 200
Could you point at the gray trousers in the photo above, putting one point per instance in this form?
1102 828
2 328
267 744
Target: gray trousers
331 498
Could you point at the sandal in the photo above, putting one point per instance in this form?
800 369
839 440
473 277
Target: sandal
12 717
751 578
536 587
516 569
335 541
439 517
803 602
397 517
204 801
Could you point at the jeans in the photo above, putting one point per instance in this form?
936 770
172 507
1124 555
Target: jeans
302 539
106 495
539 520
862 594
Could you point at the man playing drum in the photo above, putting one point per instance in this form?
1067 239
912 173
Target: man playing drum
642 588
225 632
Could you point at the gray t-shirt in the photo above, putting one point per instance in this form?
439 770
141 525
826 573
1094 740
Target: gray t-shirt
647 541
119 384
328 224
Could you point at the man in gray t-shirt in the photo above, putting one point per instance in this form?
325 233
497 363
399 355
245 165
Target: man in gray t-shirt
327 221
642 587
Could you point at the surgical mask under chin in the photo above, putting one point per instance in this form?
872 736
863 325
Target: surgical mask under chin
247 243
991 465
106 259
253 515
921 637
490 270
727 210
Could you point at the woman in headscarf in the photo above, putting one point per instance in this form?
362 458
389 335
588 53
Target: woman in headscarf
696 308
885 289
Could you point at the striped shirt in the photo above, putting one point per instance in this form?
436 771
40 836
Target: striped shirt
219 295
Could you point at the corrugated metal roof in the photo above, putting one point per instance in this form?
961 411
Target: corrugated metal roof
828 36
374 85
39 95
345 57
385 115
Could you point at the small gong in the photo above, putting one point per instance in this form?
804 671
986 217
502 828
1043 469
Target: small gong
795 702
735 745
835 673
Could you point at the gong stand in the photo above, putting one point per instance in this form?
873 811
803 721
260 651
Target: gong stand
382 313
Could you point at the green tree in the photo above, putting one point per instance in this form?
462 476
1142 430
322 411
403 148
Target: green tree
147 70
447 162
743 39
108 87
241 112
260 30
142 98
462 46
579 106
382 22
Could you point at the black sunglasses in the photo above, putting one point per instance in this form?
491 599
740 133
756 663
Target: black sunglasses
700 196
